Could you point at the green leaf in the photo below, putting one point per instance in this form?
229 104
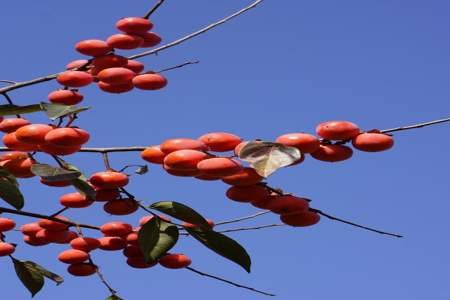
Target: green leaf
181 212
50 173
52 276
113 297
55 111
157 237
31 278
7 175
10 110
84 187
224 246
11 193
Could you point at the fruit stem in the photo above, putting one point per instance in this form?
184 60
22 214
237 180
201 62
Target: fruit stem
106 161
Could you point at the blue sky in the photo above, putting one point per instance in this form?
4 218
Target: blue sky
283 67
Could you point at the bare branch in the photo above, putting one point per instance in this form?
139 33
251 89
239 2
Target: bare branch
179 66
420 125
251 228
243 218
153 9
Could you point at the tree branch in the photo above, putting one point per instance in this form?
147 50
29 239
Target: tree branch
179 66
243 218
153 9
251 228
414 126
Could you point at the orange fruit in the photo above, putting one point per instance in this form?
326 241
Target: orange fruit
332 153
337 130
220 141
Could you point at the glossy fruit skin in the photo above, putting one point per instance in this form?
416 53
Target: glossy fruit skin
58 237
219 166
263 203
106 194
332 153
207 177
112 243
121 207
55 183
12 124
149 82
145 219
33 133
134 25
125 41
306 143
175 261
6 249
172 145
10 141
132 238
116 229
109 61
337 130
13 155
33 241
76 64
287 204
301 219
220 141
135 66
82 269
73 256
53 225
20 168
247 176
67 137
140 263
115 76
30 229
75 78
109 180
192 226
182 172
132 251
75 200
151 39
58 150
247 193
115 88
6 224
373 142
93 47
153 154
66 97
85 244
184 159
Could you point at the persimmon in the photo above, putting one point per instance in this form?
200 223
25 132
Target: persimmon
109 180
121 207
77 64
373 142
93 47
6 224
175 261
337 130
20 168
102 195
66 97
263 203
62 183
133 251
172 145
33 133
220 141
12 124
6 249
219 166
134 25
300 219
332 153
116 75
150 81
34 241
238 148
10 140
58 237
140 263
145 219
74 78
153 154
30 229
13 155
85 244
58 150
73 256
284 204
67 137
184 159
54 225
132 238
151 39
115 88
246 176
125 41
182 172
75 200
208 177
135 66
116 229
211 224
82 269
306 143
112 243
247 193
109 61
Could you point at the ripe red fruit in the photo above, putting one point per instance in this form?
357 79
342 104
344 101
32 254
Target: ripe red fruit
66 97
287 204
184 159
219 166
332 153
135 66
10 141
337 130
116 75
133 251
172 145
13 155
67 137
145 219
220 141
115 88
93 47
150 81
306 143
34 241
263 202
106 194
247 176
247 193
55 183
153 154
82 269
12 124
59 237
116 229
132 238
20 168
30 229
54 225
85 244
75 78
238 148
76 64
6 249
300 219
6 224
193 226
373 142
109 180
73 256
207 177
182 172
121 207
109 61
33 133
175 261
125 41
75 200
134 25
151 39
140 263
58 150
112 243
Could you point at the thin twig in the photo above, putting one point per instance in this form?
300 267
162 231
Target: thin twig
153 9
252 228
243 218
59 212
8 81
414 126
106 161
228 281
353 224
179 66
10 102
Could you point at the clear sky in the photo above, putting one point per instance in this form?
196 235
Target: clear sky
283 67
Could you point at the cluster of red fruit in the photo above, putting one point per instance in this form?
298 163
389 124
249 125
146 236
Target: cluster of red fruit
113 73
